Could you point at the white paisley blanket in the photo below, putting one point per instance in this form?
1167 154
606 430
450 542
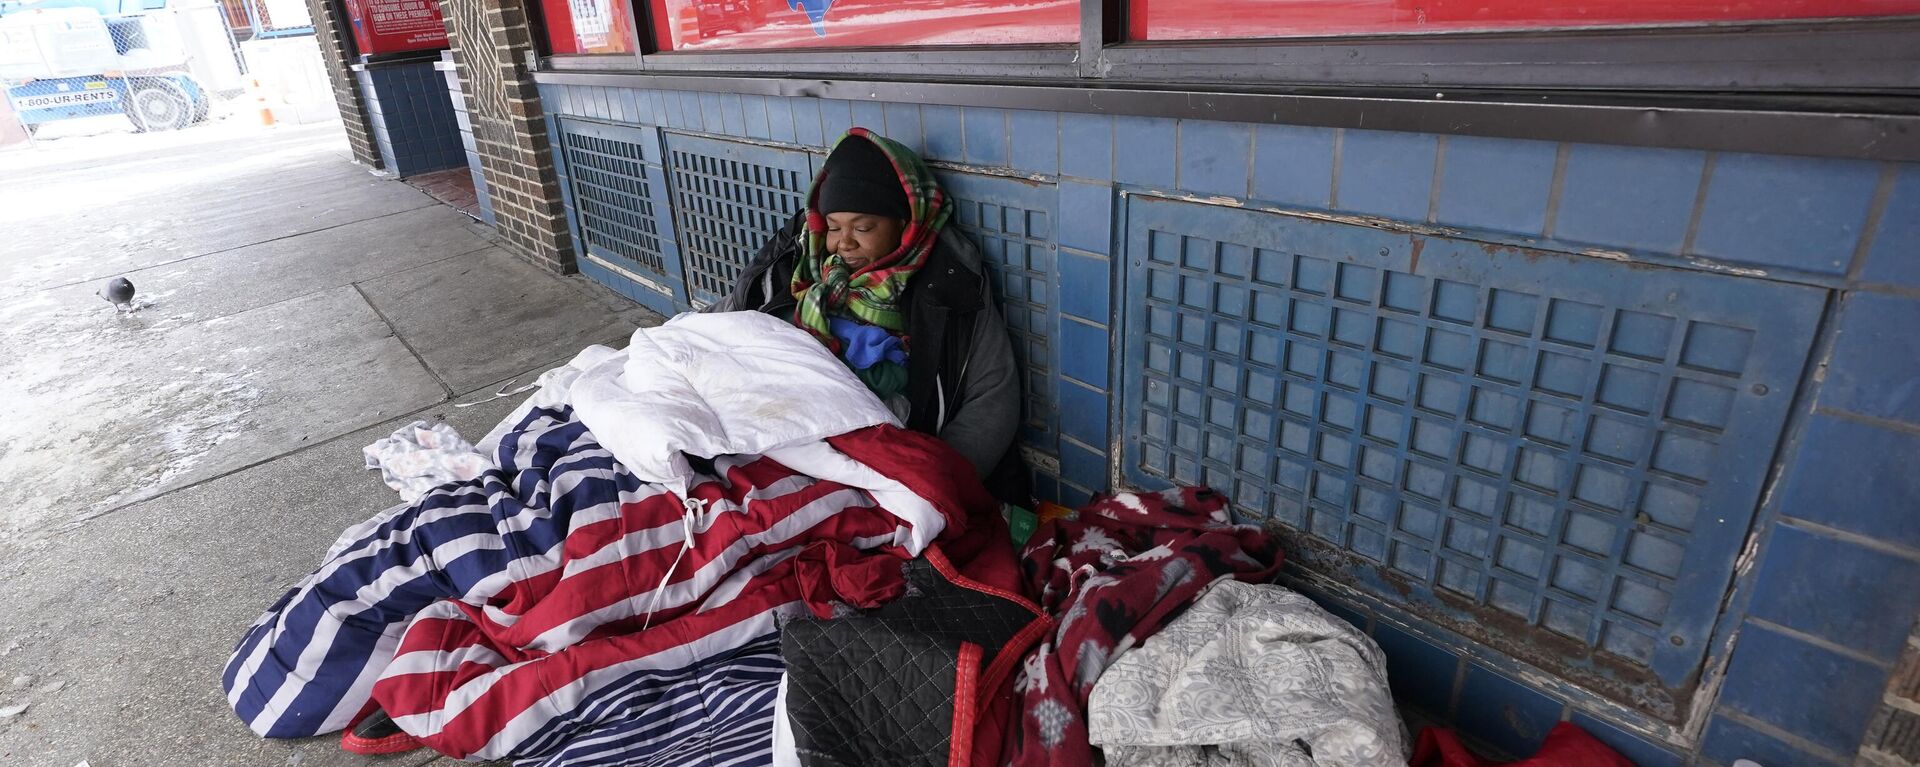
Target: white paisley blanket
1252 675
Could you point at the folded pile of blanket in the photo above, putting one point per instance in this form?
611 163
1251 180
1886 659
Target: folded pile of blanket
669 562
608 592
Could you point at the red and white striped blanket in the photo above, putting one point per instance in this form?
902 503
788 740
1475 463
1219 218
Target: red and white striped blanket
550 609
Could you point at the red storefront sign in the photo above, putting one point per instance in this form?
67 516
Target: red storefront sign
395 26
588 26
1240 19
700 25
775 24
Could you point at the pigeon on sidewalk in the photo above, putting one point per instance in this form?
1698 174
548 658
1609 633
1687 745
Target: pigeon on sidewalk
119 291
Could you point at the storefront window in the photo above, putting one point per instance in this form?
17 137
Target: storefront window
698 25
588 26
1229 19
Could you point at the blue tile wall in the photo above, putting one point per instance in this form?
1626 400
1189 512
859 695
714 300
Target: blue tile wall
1082 465
870 115
1074 497
903 123
1421 673
681 110
1506 714
1876 359
631 106
1727 740
598 104
1895 255
1086 146
672 108
1387 174
1809 629
1085 270
1086 218
753 110
780 120
943 136
1835 481
1804 570
806 122
1143 151
985 136
1083 414
1797 212
1293 165
1036 141
610 105
617 107
836 117
413 117
1819 695
1083 353
712 118
1629 197
732 114
481 194
1213 157
1497 184
699 112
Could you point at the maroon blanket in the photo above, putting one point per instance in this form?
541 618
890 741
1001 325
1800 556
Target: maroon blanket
1113 574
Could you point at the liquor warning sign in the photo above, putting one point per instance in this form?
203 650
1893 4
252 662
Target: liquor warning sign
394 26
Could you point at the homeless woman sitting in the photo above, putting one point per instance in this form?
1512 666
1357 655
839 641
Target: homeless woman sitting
574 605
873 271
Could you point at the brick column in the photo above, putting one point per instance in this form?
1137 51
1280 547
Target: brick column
491 40
329 19
1893 737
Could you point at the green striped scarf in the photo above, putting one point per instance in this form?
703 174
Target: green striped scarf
825 287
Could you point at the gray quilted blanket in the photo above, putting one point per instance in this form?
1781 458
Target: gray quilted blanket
1252 675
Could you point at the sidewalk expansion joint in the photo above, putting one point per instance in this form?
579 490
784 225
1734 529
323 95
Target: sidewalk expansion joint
368 300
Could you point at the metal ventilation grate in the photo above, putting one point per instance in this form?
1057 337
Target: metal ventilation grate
612 198
728 198
1015 241
1554 452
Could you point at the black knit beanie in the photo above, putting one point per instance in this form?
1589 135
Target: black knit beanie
858 178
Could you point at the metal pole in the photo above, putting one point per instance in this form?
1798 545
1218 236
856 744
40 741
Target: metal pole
253 18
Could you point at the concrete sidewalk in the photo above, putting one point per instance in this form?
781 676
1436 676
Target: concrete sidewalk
168 473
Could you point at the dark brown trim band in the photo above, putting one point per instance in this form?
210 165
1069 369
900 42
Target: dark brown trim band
1828 57
1847 56
1880 127
1056 61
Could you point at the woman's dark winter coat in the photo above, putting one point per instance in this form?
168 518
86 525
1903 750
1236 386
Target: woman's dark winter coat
962 383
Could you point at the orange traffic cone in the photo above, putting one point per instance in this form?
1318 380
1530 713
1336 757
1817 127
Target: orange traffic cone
260 97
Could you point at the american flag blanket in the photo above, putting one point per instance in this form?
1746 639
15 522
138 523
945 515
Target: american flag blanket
548 610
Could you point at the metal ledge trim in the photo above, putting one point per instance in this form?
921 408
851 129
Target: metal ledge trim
1871 128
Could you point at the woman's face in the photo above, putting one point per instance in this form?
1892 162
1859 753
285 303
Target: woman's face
862 238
